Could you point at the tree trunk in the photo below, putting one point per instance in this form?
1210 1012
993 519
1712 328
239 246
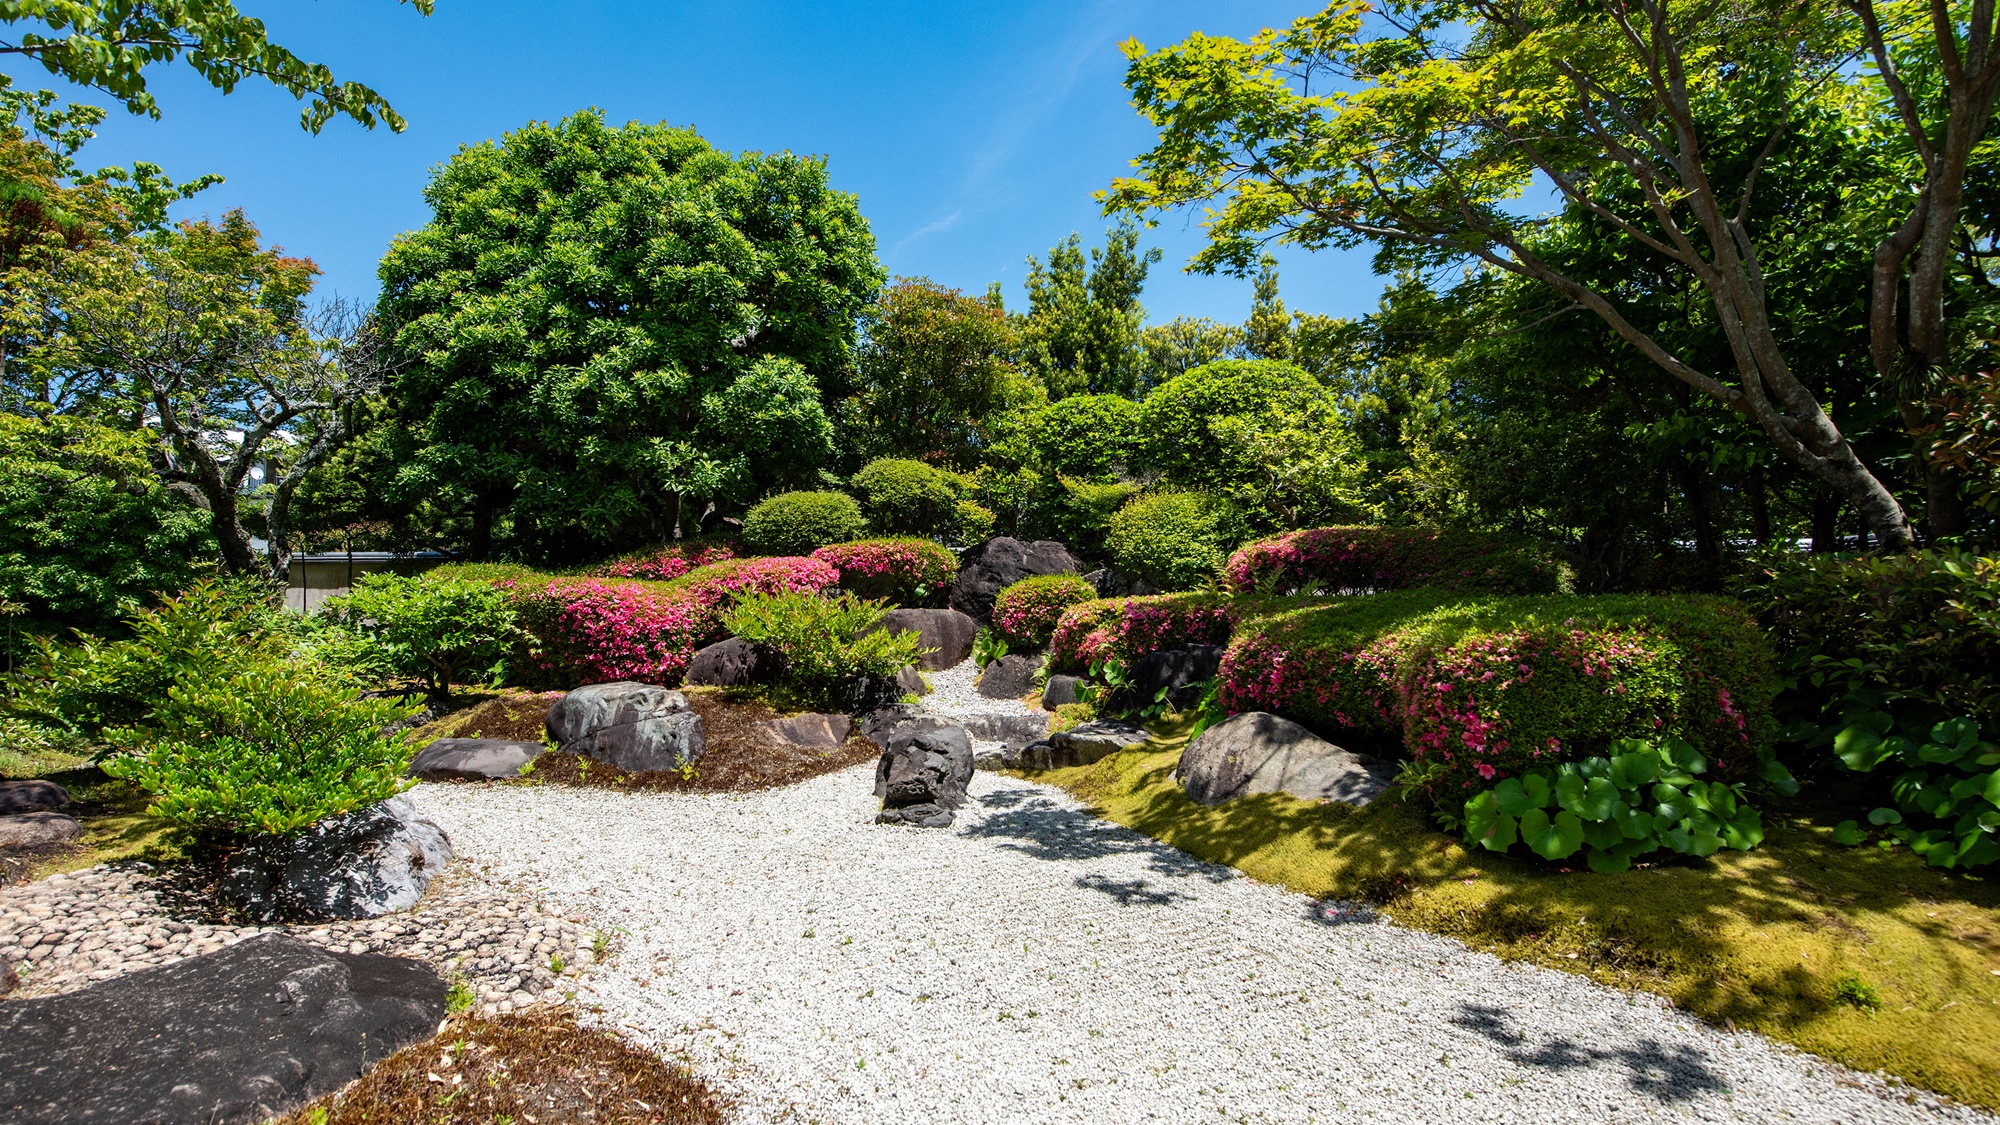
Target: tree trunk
481 543
1825 521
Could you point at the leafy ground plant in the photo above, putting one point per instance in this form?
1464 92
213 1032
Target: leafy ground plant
437 632
825 644
1947 794
1641 799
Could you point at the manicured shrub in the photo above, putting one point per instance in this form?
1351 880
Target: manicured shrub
972 523
436 631
1180 422
587 630
1479 688
515 575
911 572
1175 540
798 523
663 564
1919 632
1644 797
720 584
902 497
1128 628
1337 560
823 643
1025 613
235 751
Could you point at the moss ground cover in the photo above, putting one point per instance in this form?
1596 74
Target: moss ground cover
1759 940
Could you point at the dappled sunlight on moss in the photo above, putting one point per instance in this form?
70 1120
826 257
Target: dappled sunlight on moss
1756 940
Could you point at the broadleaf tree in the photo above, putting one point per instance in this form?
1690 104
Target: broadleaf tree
1419 127
610 332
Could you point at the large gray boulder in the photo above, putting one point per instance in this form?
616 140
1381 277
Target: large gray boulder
238 1035
31 796
946 634
887 724
733 662
38 829
1011 731
992 566
360 864
1079 746
810 729
473 759
1182 673
922 776
1256 752
1010 677
1059 690
634 727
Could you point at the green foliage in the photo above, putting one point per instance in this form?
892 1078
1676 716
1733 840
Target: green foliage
1083 515
972 523
1175 540
1644 797
234 751
1341 560
988 647
824 643
87 532
668 327
1026 612
1946 788
1089 437
935 366
799 523
95 685
1851 989
434 630
907 572
108 44
1180 418
904 497
1081 332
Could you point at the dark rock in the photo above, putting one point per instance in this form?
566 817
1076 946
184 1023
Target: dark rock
9 979
360 864
1183 672
635 727
1013 731
998 563
237 1035
31 796
810 729
1255 752
864 695
37 829
1080 746
1010 677
922 776
1060 690
734 662
912 681
473 759
887 724
1111 584
946 634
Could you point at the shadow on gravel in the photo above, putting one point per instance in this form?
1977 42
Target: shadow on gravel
1666 1074
1025 821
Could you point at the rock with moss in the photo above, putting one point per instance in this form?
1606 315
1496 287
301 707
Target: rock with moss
1256 752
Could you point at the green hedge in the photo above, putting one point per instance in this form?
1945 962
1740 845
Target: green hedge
799 523
1338 560
1175 540
1025 614
903 497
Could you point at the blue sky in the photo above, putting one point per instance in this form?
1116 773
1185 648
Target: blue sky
974 135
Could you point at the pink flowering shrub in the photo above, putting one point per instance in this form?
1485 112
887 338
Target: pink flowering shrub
1339 560
1025 613
1479 688
662 564
1128 628
908 572
588 630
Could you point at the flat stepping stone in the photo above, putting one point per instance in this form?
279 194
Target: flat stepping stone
473 759
38 829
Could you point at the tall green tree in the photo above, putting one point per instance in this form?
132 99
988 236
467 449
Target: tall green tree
109 45
1081 333
609 329
1417 130
935 364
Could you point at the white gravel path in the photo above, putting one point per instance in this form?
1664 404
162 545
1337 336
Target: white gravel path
1034 963
955 696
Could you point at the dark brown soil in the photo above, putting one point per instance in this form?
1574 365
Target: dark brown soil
739 756
529 1069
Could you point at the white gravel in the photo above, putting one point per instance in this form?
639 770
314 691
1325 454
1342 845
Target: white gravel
953 695
1034 963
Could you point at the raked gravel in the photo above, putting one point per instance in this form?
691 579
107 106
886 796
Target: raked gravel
954 695
1034 963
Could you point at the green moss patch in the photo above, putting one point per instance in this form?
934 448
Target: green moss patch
1777 940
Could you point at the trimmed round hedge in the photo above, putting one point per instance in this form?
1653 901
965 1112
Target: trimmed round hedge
908 571
666 563
1175 540
799 523
1025 613
1363 559
1129 628
903 497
